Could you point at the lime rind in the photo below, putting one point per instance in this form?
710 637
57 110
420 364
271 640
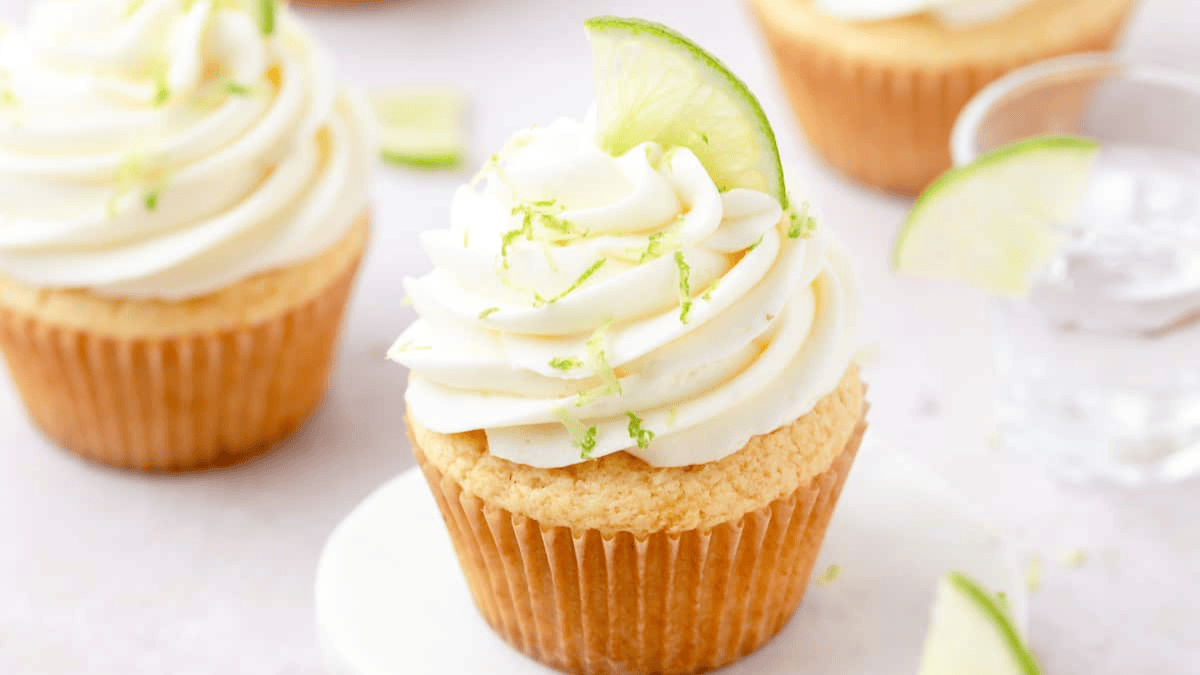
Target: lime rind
972 632
992 223
421 127
654 84
990 605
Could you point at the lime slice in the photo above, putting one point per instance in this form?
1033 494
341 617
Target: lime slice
971 633
991 223
421 127
653 84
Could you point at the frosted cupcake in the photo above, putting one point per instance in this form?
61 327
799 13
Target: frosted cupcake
184 208
631 391
877 84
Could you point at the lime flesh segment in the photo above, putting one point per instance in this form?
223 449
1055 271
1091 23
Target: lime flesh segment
421 127
992 223
653 84
971 633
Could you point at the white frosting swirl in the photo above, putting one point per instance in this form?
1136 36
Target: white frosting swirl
950 12
509 340
168 148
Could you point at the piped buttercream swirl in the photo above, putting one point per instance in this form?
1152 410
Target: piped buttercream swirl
583 304
168 148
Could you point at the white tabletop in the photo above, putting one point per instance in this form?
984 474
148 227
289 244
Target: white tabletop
111 572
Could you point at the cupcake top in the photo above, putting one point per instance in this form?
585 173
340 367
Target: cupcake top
949 12
169 148
602 288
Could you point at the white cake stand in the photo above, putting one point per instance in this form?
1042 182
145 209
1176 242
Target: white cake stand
390 598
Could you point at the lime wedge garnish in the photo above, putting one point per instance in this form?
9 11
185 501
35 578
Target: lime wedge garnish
992 223
972 633
653 84
421 127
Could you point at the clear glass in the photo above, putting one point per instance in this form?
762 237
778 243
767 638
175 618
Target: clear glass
1098 370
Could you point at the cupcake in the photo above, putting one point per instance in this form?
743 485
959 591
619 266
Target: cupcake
631 386
877 86
185 207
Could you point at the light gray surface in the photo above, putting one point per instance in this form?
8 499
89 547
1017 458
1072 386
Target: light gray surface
108 572
897 529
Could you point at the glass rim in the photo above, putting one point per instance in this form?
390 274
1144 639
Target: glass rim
1060 69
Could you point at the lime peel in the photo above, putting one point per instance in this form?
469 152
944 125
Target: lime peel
654 84
971 631
991 223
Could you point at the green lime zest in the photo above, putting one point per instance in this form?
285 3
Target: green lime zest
151 201
800 222
597 360
1075 558
672 415
584 437
685 287
653 247
587 274
488 312
637 432
237 89
565 363
266 16
1033 574
707 294
830 575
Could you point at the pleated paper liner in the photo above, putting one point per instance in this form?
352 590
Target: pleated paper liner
179 402
666 603
889 125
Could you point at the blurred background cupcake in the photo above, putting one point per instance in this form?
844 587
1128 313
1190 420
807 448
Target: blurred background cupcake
877 84
184 209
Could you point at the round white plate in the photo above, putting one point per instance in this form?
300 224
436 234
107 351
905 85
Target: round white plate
390 598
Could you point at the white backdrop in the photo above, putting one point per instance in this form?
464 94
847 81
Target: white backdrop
109 572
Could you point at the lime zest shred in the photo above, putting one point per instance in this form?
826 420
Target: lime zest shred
1033 574
588 445
685 287
488 312
597 360
830 575
672 414
707 294
151 201
801 223
653 247
539 301
237 89
584 437
1074 558
410 346
704 137
1003 600
641 435
755 244
266 16
565 363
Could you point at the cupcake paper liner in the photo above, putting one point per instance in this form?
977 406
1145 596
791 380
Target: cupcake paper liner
889 125
176 402
595 603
